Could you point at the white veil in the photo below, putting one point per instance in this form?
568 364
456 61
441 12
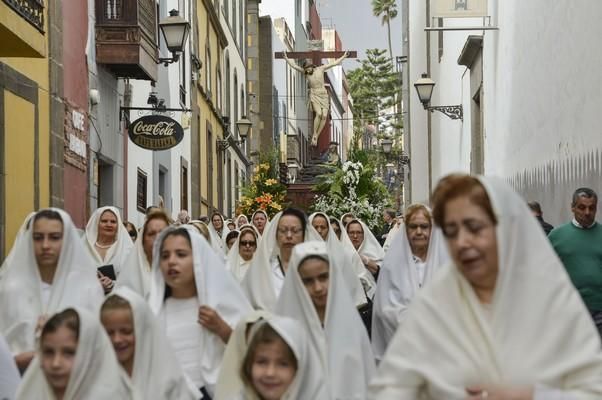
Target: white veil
235 262
218 242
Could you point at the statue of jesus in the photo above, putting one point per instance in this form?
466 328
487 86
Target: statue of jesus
318 95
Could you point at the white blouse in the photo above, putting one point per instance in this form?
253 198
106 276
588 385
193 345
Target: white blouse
277 275
184 333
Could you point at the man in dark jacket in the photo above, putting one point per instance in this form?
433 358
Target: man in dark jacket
536 210
389 217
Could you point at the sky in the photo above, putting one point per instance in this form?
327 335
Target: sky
358 28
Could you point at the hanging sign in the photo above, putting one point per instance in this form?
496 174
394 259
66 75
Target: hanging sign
459 8
155 132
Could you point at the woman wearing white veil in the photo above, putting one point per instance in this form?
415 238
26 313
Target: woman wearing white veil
365 243
218 303
418 250
344 258
241 254
218 232
95 373
357 262
265 278
260 220
503 320
316 297
241 220
308 382
49 269
155 371
105 225
137 269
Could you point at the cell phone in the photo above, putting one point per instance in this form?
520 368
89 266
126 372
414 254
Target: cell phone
108 271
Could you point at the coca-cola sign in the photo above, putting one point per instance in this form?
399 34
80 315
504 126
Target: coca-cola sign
156 132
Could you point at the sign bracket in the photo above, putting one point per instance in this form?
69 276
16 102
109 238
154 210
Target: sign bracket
485 27
161 110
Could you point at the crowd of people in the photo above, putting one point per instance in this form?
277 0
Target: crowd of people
464 298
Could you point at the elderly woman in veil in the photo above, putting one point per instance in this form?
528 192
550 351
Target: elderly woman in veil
503 320
417 251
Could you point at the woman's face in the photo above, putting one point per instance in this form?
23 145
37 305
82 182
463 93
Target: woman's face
153 228
272 371
57 358
321 225
336 229
259 221
107 226
47 241
472 242
247 245
242 220
315 275
356 234
289 232
177 263
119 324
217 222
418 229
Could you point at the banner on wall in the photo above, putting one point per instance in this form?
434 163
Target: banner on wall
459 8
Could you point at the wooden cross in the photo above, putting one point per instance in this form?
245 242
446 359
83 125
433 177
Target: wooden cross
316 56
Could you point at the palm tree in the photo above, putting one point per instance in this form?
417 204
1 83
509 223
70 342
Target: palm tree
387 10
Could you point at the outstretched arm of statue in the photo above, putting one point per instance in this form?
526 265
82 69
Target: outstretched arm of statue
292 63
337 61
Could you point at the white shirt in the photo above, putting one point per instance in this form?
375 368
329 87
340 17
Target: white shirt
420 269
184 333
46 291
277 276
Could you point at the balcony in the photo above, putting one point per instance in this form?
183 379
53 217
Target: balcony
126 38
22 28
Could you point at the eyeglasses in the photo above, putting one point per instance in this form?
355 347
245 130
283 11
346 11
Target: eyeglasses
250 243
293 231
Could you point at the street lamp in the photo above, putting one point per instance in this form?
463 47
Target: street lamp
243 125
424 86
387 145
175 32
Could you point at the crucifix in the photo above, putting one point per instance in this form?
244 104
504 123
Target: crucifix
314 74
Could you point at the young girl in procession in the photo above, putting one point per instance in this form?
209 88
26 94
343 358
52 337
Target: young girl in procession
268 358
314 294
75 361
108 242
197 301
48 269
142 348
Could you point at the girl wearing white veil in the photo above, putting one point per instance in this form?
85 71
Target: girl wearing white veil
503 320
94 373
137 270
315 295
260 220
417 251
49 269
109 243
142 348
241 254
241 220
218 232
344 257
365 244
265 278
197 300
235 382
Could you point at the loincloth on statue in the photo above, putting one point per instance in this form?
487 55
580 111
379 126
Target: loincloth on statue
319 99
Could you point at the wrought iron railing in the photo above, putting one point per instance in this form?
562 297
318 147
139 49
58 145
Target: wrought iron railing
31 10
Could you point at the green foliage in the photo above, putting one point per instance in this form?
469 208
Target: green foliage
386 10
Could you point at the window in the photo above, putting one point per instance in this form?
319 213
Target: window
233 24
236 182
183 79
208 67
235 116
241 29
209 146
226 10
141 191
228 105
218 91
183 184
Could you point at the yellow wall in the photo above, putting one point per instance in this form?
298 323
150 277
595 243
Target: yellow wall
19 158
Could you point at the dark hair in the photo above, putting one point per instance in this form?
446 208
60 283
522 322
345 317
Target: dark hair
390 212
232 235
314 257
176 232
67 318
115 302
535 206
300 215
265 334
334 221
354 221
47 214
583 192
323 216
131 228
458 185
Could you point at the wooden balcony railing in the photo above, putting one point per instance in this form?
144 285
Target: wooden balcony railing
31 10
